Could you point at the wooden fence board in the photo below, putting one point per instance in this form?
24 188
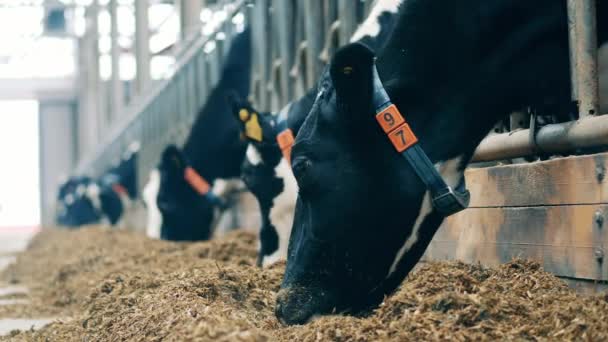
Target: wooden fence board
571 180
566 239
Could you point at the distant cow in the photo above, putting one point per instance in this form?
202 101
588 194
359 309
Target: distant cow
370 199
180 187
73 209
83 200
265 172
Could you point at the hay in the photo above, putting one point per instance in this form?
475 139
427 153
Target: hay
116 285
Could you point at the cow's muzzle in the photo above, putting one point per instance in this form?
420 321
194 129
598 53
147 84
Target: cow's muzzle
297 305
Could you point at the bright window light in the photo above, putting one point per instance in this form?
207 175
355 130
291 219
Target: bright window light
19 174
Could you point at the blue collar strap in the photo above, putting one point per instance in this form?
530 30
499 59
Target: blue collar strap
285 137
446 200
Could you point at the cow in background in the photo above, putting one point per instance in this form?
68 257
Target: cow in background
180 188
84 200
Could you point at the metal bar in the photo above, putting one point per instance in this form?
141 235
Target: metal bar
142 45
261 29
591 131
189 11
586 55
136 108
572 41
116 92
313 12
286 45
348 20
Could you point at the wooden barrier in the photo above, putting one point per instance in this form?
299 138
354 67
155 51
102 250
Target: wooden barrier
553 211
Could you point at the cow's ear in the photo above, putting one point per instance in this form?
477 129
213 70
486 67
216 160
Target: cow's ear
352 75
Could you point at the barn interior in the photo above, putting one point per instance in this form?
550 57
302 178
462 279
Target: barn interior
94 92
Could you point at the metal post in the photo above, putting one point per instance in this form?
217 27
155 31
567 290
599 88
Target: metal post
262 57
572 41
313 12
142 45
585 50
348 20
284 10
116 93
190 11
92 109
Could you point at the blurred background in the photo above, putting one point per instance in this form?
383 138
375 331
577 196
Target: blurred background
68 71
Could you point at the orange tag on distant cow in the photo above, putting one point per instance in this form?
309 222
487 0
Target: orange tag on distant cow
285 140
390 118
119 189
198 183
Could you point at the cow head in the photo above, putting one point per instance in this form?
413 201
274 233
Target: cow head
264 172
362 216
186 214
79 203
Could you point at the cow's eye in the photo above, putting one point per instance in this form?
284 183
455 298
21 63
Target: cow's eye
303 171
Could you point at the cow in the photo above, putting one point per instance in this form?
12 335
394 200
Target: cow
84 200
73 209
379 160
180 186
264 171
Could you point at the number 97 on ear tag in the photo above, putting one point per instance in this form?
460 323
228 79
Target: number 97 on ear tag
394 125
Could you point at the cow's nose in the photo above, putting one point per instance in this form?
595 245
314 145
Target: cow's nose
289 310
298 304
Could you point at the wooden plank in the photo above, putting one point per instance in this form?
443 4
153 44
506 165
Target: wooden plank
565 239
571 180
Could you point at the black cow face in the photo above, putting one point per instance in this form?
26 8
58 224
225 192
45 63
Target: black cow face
111 204
77 203
360 213
186 214
258 170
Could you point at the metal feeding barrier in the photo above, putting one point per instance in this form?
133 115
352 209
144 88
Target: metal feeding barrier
591 129
165 114
292 40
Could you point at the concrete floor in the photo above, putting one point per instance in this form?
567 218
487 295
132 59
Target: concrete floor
12 241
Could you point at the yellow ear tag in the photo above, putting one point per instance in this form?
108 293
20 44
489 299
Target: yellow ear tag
347 70
253 130
243 114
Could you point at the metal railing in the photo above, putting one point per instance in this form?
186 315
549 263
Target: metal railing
165 114
292 40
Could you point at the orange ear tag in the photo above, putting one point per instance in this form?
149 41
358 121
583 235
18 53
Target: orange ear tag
399 132
198 183
119 189
285 140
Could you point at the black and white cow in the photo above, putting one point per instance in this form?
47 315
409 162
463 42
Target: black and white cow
180 187
73 209
265 172
83 200
364 216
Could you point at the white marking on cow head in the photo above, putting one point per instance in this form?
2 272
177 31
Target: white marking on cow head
92 193
371 25
253 155
81 190
282 211
149 194
452 174
69 199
